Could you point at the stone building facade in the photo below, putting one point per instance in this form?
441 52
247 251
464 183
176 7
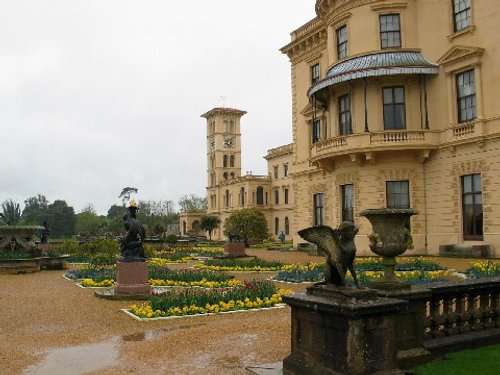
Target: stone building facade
396 104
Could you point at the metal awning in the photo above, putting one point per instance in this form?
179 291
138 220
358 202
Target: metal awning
374 65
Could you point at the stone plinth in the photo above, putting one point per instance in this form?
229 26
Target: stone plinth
235 249
132 278
343 331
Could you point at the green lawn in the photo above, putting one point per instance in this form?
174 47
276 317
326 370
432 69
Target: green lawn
481 361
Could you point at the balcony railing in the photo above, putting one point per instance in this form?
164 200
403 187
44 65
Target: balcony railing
375 142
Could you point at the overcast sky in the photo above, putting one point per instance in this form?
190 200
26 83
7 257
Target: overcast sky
98 95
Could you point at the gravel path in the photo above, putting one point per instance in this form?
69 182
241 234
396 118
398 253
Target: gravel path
48 325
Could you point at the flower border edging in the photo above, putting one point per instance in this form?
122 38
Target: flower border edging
127 312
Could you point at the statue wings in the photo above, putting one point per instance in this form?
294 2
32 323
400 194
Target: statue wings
326 238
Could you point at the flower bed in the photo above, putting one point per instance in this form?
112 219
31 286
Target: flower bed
251 295
188 277
415 270
235 264
484 268
158 276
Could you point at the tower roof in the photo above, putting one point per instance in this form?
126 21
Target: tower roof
223 111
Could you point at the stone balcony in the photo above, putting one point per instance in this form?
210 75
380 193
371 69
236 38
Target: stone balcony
364 146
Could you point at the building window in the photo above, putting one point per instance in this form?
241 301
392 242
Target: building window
226 198
341 42
398 194
231 161
225 159
345 115
347 202
260 195
287 226
316 130
276 226
286 196
315 75
466 96
318 209
285 170
275 168
472 207
394 108
276 197
242 196
390 31
461 14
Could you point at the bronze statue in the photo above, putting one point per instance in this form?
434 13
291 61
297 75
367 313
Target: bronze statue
131 245
339 248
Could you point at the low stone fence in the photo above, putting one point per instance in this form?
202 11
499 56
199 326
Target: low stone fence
445 317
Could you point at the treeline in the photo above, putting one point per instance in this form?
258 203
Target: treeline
63 222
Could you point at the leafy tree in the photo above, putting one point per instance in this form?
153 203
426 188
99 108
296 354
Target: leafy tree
156 215
11 212
61 218
90 224
35 209
125 194
116 211
192 203
247 224
209 223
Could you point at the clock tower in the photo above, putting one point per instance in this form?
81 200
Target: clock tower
223 149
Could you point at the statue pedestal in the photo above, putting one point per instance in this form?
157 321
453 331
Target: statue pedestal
235 249
132 278
343 331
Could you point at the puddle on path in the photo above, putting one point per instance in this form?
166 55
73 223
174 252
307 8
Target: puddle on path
81 359
76 360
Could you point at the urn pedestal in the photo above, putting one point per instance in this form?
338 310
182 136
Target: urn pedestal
132 278
342 331
234 249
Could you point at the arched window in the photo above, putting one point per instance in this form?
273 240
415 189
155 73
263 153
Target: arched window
232 175
225 176
276 197
231 126
260 195
276 225
231 161
242 196
225 161
226 198
287 226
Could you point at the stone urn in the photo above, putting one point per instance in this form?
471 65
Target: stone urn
389 239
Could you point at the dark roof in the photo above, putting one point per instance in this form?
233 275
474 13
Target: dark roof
223 111
373 65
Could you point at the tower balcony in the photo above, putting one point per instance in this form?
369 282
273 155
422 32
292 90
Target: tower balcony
364 147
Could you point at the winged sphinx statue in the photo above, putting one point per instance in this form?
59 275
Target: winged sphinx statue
339 248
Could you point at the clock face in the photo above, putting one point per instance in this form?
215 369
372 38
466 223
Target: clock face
229 142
